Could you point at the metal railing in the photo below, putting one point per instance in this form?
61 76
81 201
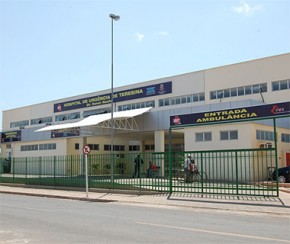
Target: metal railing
230 172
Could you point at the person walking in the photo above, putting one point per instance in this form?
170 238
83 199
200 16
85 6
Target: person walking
138 163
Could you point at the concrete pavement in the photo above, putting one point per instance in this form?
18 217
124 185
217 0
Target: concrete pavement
246 204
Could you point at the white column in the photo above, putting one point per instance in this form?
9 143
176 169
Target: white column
159 147
159 141
83 142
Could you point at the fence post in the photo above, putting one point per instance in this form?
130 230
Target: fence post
40 169
25 170
67 157
170 161
13 160
201 170
276 157
54 169
237 174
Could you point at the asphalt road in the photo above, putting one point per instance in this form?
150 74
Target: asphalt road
27 219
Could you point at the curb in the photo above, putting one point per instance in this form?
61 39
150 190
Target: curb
58 197
85 199
72 189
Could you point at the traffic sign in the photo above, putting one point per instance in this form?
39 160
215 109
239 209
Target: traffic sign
86 149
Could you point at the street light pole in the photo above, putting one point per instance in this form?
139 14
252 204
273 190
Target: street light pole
113 18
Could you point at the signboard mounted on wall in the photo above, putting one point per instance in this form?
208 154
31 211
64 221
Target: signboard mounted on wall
232 115
68 132
130 94
11 136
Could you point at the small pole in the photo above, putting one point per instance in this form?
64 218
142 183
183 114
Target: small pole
87 180
86 151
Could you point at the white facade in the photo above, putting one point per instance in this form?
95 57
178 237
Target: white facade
258 82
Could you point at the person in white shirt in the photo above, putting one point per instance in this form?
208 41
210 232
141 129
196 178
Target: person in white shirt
187 163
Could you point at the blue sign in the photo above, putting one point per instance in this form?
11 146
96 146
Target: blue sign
136 93
11 136
230 115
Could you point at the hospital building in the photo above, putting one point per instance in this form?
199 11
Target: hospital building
227 107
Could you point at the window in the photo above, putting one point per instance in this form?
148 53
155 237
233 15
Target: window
107 147
70 116
77 146
213 95
137 105
234 135
224 135
203 136
234 92
201 96
198 137
248 90
285 137
48 146
264 135
228 135
256 89
134 148
41 121
19 123
220 94
29 148
35 147
60 118
96 111
197 97
115 147
263 87
149 104
74 116
119 148
281 85
238 91
227 93
150 147
94 147
241 91
275 86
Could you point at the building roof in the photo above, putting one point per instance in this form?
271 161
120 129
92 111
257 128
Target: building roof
100 120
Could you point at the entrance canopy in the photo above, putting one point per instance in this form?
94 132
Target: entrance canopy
122 120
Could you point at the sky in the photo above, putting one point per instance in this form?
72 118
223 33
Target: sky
53 49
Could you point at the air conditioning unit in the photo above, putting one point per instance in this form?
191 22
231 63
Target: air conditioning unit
21 127
266 145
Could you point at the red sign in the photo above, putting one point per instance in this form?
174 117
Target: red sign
86 149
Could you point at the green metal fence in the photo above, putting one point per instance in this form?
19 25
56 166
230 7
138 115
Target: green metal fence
230 172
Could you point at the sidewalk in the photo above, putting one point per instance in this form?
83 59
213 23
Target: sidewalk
246 204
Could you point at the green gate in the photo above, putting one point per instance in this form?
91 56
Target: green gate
238 172
226 172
